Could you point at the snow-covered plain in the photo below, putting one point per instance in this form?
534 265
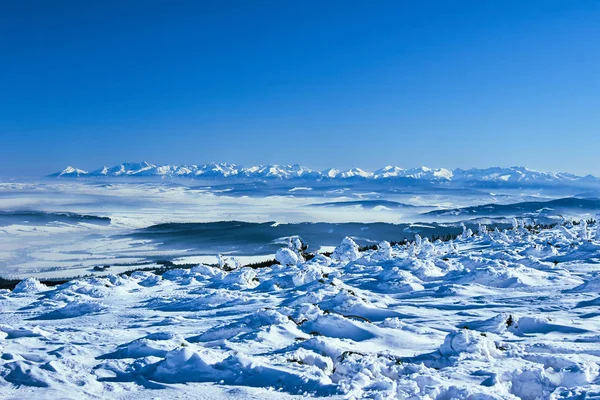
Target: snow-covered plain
496 315
500 314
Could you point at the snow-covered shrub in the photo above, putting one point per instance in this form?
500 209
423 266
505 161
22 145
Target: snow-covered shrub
482 229
418 239
583 233
296 244
427 248
346 251
384 252
466 233
468 344
227 264
286 256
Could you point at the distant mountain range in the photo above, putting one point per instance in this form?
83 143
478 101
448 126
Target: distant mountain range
518 175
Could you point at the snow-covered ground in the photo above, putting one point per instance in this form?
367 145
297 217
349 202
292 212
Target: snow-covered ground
497 315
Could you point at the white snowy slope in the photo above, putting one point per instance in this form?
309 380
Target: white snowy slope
286 172
423 173
70 172
512 174
496 315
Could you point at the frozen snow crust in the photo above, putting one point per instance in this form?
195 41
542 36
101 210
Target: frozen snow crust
492 315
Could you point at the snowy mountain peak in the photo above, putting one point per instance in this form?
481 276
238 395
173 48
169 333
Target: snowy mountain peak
70 172
213 170
389 171
330 173
427 173
356 172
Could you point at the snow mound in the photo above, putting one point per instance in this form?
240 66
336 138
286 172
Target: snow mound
531 384
422 269
522 325
540 251
336 326
208 300
30 285
146 279
399 281
290 277
468 344
22 332
500 275
349 304
156 344
244 278
261 318
591 285
497 324
185 365
72 310
26 373
531 325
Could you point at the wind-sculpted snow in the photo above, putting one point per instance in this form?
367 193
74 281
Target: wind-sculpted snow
492 315
29 285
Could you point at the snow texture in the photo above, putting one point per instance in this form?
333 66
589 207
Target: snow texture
492 315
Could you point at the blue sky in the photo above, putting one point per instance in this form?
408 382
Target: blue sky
333 83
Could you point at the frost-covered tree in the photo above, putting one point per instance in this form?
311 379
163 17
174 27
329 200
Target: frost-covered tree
418 240
346 251
296 245
384 251
427 248
286 256
412 251
466 233
515 224
583 232
228 264
221 261
454 248
481 229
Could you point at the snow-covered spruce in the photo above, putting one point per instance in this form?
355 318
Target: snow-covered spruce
491 315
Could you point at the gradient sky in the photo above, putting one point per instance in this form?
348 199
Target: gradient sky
329 83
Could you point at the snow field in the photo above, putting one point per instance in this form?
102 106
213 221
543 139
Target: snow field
496 315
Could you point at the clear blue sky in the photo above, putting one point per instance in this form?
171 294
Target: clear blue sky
328 83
